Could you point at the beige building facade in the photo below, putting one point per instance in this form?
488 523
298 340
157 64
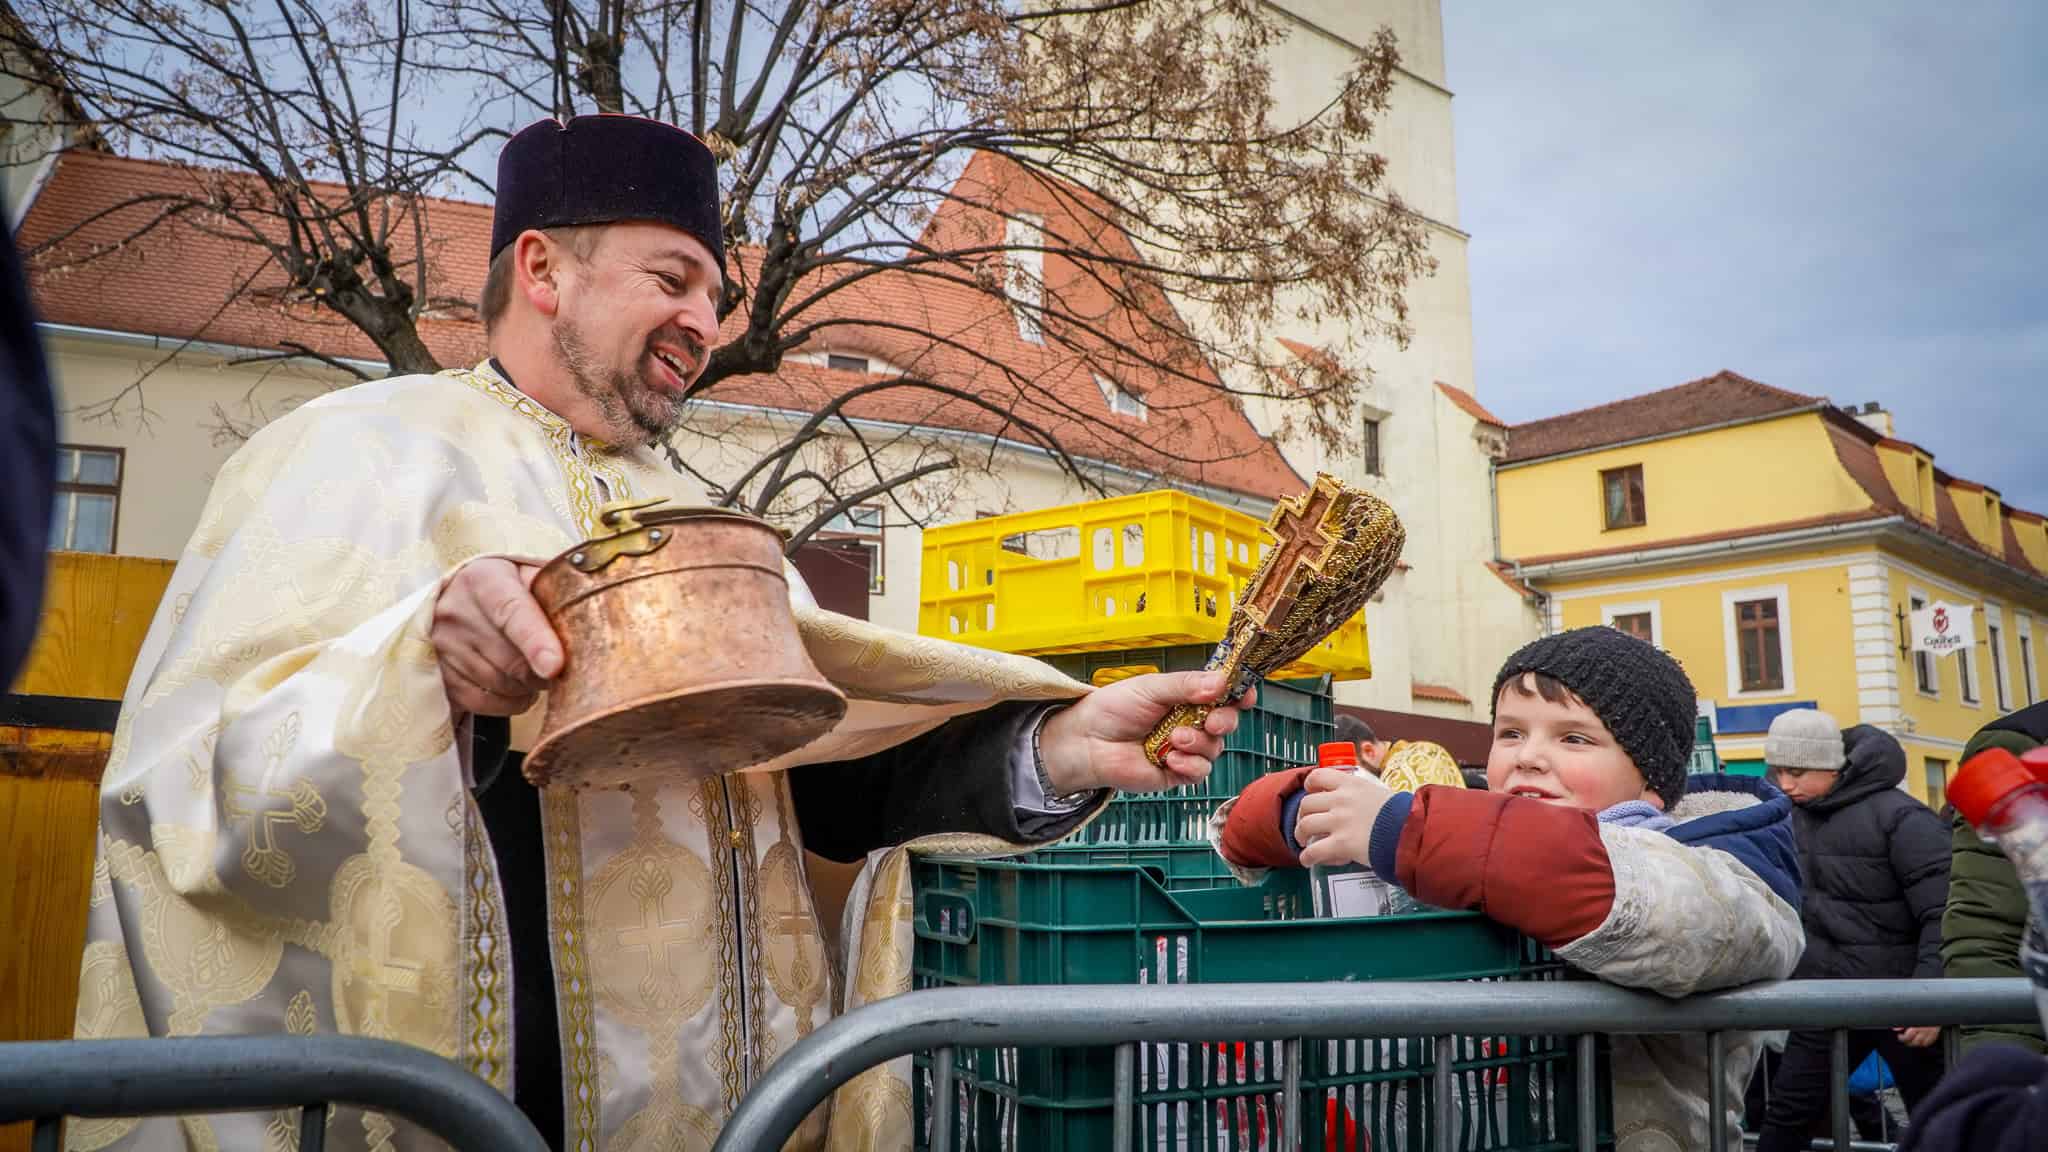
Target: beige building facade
1448 620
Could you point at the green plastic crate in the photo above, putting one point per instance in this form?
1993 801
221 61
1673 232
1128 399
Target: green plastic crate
986 923
1280 731
1705 760
1177 867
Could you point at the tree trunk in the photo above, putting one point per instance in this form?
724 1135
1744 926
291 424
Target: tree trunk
405 351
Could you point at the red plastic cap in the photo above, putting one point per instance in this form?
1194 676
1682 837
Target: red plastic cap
1340 754
1988 778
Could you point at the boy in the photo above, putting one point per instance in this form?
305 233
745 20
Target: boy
1592 840
1876 869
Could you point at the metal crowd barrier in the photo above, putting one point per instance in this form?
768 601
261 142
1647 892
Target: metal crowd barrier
942 1020
45 1081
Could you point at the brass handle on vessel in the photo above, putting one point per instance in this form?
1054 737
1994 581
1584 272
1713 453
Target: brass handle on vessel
628 536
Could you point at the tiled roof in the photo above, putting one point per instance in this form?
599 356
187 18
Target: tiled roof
2014 555
1717 399
1315 357
172 280
1856 448
1859 459
1470 404
1440 692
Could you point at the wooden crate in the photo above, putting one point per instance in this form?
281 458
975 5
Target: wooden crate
96 611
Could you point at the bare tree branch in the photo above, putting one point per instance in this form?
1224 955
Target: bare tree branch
1110 174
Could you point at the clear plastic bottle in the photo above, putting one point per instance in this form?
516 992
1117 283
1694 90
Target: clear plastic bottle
1341 890
2005 797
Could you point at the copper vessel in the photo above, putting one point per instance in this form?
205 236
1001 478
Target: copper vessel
681 654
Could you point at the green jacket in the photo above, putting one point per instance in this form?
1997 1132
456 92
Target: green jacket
1987 912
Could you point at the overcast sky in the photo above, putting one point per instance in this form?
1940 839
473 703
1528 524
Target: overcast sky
1846 199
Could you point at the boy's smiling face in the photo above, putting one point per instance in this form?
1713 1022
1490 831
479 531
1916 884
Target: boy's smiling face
1558 751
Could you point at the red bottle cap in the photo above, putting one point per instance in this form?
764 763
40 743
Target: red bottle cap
1340 754
1988 778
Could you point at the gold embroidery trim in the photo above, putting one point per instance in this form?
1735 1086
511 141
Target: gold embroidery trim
560 823
561 816
485 1041
712 795
750 909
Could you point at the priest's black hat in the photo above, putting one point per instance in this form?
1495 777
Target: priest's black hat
603 169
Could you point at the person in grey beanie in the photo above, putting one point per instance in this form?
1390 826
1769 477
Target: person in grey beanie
1876 867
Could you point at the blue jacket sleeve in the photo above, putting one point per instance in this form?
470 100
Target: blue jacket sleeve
28 466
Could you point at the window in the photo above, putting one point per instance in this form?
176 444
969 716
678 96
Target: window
1621 491
1643 621
2027 662
88 499
1024 236
1636 624
1925 673
1370 448
836 362
862 522
1999 692
1121 400
1757 632
1937 783
1966 671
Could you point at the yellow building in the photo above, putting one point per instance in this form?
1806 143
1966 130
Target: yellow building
1773 542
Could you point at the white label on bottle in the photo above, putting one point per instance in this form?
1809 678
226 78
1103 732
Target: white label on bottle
1357 893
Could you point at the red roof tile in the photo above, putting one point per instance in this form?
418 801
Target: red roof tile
1855 446
172 280
1439 692
1718 399
1311 355
2014 554
1470 404
1861 462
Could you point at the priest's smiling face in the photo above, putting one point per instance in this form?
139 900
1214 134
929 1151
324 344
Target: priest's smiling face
635 324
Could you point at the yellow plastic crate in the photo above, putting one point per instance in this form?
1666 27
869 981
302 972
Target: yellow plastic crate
1149 570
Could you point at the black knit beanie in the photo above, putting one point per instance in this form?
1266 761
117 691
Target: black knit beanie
1638 691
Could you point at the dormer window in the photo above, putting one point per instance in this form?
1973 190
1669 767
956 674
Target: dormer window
1121 400
1024 236
839 363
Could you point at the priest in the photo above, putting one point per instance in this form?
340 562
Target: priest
313 818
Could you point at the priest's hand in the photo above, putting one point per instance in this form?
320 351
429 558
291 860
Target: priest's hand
1099 741
496 648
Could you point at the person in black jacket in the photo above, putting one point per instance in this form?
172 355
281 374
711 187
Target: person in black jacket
1876 865
28 466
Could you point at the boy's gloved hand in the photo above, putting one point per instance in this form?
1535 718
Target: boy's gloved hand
1337 815
1251 836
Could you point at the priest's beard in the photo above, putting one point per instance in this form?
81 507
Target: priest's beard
626 399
